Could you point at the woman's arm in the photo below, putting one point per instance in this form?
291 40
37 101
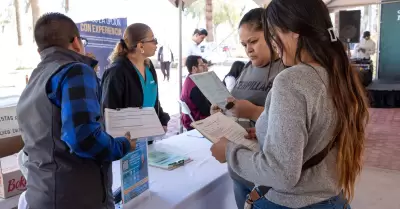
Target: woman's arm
112 88
230 82
279 163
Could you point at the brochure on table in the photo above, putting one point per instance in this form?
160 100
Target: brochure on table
167 160
141 123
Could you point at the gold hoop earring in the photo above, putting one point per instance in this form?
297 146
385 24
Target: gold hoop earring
142 51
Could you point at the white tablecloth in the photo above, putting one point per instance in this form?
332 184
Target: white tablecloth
202 183
9 203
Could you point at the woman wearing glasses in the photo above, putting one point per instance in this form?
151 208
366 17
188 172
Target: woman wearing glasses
131 81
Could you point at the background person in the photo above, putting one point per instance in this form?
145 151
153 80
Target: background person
233 74
366 47
193 47
198 104
165 57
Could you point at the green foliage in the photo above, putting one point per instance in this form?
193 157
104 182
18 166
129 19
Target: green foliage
224 11
6 12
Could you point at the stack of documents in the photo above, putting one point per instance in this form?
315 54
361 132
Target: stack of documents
167 161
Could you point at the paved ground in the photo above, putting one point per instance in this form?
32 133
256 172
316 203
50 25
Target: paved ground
379 185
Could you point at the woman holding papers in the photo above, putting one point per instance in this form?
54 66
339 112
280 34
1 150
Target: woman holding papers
254 83
257 77
131 81
312 130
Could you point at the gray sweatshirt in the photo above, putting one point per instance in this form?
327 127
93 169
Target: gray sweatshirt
297 123
253 85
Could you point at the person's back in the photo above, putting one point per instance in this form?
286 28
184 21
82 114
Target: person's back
69 155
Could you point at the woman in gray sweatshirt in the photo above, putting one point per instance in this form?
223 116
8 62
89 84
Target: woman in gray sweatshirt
254 83
312 131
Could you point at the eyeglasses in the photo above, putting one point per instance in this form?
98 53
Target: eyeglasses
154 40
84 40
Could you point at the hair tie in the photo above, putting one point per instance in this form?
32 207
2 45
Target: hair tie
122 41
332 34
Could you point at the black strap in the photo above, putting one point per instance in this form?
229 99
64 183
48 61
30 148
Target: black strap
316 159
313 161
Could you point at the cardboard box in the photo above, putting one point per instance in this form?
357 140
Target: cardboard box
8 122
12 182
10 133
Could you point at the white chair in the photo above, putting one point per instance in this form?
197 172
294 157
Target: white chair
185 109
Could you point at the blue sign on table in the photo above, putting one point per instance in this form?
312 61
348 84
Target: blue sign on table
102 36
134 172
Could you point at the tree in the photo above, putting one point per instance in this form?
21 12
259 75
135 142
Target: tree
65 5
209 20
222 12
18 21
196 11
35 11
6 15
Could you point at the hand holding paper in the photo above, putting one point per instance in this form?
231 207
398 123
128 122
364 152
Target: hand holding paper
212 88
140 122
218 126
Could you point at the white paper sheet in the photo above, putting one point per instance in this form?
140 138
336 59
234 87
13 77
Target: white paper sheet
140 122
218 125
212 88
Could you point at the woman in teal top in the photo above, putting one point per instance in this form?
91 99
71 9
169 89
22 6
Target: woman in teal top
149 87
131 81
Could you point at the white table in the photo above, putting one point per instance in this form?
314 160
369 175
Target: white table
9 203
202 183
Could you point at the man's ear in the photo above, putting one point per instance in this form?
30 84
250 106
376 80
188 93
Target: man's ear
76 45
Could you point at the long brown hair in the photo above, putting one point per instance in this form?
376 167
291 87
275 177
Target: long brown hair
310 19
133 34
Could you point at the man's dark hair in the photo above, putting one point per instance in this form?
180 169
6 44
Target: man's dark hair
366 34
192 61
200 32
54 29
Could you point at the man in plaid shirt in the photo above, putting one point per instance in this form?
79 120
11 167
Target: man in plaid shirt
69 153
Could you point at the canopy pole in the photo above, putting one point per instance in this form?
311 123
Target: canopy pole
180 8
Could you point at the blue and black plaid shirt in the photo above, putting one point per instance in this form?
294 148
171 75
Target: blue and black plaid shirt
76 90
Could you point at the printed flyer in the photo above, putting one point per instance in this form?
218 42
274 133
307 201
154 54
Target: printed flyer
134 173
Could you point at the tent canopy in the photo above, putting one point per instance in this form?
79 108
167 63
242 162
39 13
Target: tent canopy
332 4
